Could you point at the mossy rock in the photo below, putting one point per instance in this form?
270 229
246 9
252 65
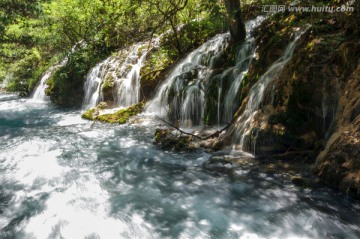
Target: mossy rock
121 116
89 115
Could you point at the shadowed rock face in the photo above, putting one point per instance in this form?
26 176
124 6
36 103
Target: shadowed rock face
313 104
339 163
316 107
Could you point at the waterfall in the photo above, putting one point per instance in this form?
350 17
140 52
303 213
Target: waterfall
256 95
6 81
122 72
244 59
92 85
128 87
183 94
184 87
39 93
219 104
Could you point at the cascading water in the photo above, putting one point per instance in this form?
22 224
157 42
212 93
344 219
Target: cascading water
184 88
122 72
244 122
6 81
183 96
243 61
128 87
39 93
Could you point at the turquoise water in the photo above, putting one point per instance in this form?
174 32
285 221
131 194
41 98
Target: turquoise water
63 177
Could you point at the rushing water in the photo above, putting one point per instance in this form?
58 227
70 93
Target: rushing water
63 177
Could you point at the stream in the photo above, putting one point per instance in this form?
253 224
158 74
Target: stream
64 177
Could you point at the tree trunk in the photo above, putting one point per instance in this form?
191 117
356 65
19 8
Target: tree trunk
236 24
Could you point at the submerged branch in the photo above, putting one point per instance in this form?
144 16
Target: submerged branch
213 135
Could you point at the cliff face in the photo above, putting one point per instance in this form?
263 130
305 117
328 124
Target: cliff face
312 107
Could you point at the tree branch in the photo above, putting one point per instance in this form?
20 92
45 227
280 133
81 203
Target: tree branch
213 135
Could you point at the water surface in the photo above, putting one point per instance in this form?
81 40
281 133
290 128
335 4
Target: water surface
64 177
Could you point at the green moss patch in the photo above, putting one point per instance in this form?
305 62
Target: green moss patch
89 115
119 117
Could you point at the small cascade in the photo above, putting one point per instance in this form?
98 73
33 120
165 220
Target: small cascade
128 87
39 93
192 106
92 85
329 106
181 96
219 104
244 59
121 73
6 81
256 95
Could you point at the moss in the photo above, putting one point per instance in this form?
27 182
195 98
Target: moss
89 115
108 82
121 116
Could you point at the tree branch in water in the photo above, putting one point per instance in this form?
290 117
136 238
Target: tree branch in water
213 135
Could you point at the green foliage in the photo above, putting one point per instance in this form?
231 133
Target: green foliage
191 35
24 69
37 33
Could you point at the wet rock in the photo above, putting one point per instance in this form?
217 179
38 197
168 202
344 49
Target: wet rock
119 117
171 140
227 162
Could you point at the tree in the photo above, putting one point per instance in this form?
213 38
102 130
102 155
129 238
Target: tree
236 24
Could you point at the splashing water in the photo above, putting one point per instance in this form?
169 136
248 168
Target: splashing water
123 73
256 95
